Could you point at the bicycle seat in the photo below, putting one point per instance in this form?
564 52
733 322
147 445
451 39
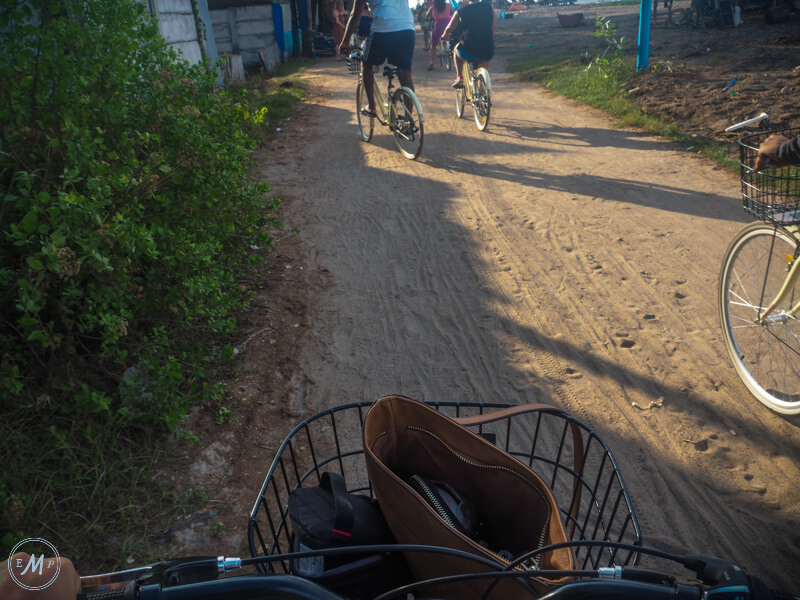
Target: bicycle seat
389 71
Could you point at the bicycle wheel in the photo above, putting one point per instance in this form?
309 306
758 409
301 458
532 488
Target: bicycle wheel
441 52
482 98
765 354
405 117
461 101
365 124
461 93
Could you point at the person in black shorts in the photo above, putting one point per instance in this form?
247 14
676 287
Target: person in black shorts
477 37
391 38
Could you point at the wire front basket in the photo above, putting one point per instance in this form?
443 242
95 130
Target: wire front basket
545 442
354 61
771 195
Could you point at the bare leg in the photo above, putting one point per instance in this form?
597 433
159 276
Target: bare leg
458 61
406 79
368 76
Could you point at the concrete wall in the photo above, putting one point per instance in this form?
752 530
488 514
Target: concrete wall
178 25
243 30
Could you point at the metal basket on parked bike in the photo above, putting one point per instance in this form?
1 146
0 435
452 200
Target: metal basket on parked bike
771 195
571 458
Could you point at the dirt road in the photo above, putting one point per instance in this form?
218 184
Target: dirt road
551 259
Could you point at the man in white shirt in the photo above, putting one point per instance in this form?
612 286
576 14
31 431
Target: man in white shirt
391 38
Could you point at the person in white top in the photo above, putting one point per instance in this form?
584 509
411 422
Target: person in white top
390 39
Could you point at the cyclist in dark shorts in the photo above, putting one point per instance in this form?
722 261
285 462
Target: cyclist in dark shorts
390 38
478 24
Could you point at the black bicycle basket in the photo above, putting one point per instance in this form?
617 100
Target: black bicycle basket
771 195
332 441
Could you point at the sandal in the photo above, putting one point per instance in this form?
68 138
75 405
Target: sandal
430 67
369 113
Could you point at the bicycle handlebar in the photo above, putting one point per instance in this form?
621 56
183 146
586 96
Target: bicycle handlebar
192 579
245 587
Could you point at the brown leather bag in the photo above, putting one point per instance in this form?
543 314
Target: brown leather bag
405 437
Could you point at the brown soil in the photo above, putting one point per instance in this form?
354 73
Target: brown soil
690 70
553 258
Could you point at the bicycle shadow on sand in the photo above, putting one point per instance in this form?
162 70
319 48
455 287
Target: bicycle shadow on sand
440 154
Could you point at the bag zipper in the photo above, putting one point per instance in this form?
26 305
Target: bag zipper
474 463
433 499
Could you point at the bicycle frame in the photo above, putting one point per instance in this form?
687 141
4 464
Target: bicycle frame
788 286
382 102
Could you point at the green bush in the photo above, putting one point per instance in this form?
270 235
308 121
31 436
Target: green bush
127 219
127 213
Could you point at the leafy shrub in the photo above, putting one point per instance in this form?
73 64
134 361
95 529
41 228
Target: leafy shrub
127 213
611 63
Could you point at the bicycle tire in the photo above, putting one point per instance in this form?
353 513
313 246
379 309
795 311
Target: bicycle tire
405 119
441 51
366 125
461 101
766 355
461 93
482 98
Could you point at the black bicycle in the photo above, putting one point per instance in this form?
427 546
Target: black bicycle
581 470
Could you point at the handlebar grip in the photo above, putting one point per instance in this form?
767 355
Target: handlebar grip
247 587
119 594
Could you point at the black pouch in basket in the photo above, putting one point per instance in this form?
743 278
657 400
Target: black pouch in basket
327 516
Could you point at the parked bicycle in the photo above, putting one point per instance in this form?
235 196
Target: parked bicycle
445 54
477 91
399 109
578 466
758 294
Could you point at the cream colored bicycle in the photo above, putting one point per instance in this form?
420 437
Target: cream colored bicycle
477 91
759 283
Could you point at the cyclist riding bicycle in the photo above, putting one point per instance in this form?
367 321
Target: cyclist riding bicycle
778 151
479 25
391 38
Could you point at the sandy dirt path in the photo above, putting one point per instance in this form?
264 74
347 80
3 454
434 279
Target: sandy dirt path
552 258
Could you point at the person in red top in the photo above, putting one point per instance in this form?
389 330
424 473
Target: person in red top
441 18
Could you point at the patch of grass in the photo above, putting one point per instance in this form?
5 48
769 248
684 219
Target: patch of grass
278 93
85 486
